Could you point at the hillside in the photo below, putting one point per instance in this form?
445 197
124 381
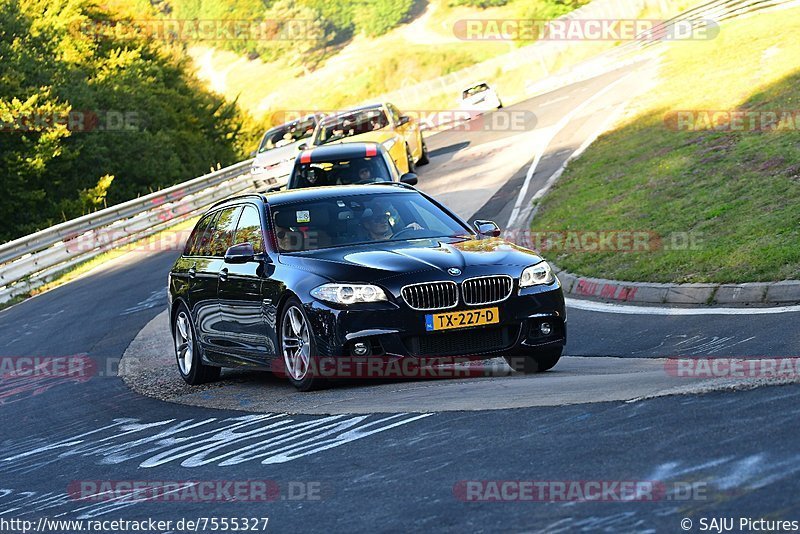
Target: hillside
713 153
420 47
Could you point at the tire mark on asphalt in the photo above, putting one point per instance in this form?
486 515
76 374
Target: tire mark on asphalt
267 438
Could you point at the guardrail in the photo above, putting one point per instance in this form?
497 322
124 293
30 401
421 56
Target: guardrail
30 261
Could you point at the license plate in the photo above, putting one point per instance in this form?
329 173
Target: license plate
461 319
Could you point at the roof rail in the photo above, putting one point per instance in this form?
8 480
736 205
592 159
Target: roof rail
237 197
396 184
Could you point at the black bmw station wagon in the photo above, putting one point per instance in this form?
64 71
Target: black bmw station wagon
285 280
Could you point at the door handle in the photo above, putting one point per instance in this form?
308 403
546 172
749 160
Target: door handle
223 275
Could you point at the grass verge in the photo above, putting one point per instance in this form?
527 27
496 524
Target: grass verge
725 201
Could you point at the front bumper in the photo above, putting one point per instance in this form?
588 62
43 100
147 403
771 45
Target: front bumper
393 330
269 178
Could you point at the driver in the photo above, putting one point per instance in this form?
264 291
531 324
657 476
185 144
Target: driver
378 226
364 174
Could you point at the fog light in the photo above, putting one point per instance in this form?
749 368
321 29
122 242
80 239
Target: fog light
545 329
360 349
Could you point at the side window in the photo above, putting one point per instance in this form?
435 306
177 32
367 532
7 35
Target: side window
222 236
391 164
394 113
249 229
203 245
192 244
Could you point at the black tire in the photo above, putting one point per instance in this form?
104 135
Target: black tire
190 365
410 158
542 361
309 381
424 160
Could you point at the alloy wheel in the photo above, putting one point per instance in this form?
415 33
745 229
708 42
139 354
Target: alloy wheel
296 344
184 343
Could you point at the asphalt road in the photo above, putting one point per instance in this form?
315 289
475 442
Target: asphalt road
737 452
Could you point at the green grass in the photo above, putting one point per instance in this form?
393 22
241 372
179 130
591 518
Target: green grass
737 193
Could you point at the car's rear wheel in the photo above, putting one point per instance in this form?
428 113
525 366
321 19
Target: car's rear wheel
187 351
423 159
538 363
410 159
298 347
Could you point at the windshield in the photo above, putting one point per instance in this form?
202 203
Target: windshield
472 91
360 219
287 134
351 124
341 172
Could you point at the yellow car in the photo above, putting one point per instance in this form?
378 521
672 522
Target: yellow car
383 123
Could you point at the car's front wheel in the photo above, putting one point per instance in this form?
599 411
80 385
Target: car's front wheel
540 362
187 351
298 347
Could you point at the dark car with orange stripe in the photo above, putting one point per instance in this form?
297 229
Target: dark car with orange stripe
346 164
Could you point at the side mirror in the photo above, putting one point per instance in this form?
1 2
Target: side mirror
253 153
487 228
302 146
409 178
404 119
241 253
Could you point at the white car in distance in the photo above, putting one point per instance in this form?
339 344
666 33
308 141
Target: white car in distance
277 151
480 97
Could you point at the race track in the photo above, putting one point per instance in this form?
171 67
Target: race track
401 470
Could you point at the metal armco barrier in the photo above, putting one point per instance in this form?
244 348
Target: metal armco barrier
29 261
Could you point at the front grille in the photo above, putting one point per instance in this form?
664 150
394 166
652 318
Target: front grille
460 343
486 289
431 295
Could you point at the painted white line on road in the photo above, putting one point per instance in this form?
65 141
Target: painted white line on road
566 119
627 309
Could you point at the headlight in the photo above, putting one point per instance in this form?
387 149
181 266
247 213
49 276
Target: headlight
389 143
348 293
535 275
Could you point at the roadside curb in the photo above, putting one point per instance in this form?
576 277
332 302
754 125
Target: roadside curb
746 294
